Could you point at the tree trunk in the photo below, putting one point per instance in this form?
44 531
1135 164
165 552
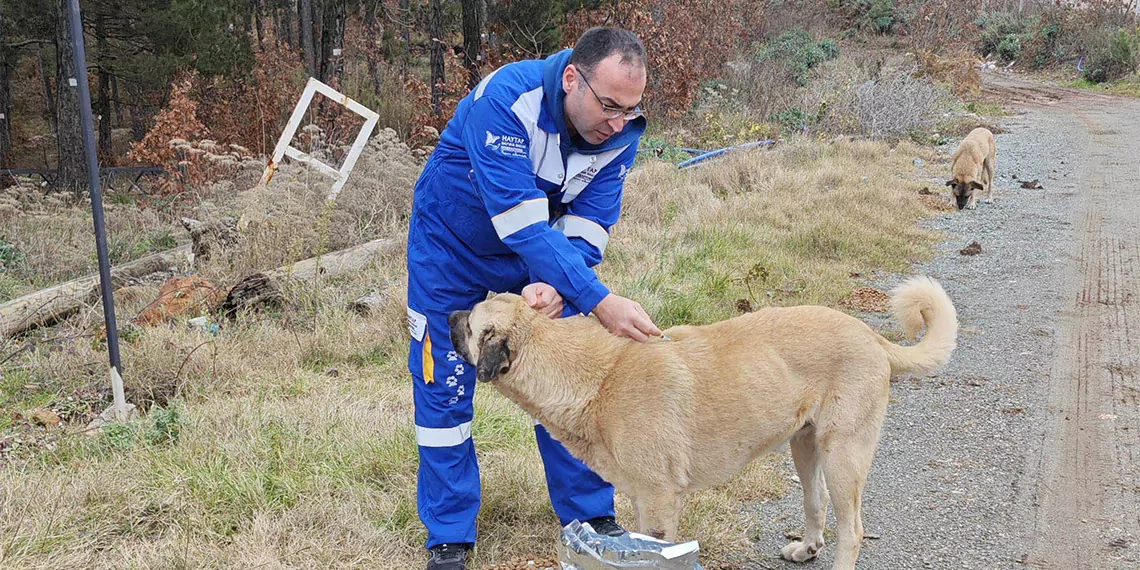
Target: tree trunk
373 31
275 20
287 23
436 43
6 56
405 32
46 307
255 6
262 289
138 122
69 133
473 14
316 17
332 41
7 60
104 102
49 99
306 29
116 104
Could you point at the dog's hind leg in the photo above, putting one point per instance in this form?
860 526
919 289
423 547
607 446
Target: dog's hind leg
846 465
988 178
809 466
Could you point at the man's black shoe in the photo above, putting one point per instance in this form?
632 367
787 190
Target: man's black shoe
606 525
448 557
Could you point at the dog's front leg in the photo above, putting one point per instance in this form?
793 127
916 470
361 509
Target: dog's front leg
636 515
659 514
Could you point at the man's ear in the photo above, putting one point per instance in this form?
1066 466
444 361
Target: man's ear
494 358
569 78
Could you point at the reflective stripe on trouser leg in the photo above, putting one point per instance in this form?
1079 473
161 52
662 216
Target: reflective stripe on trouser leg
448 493
575 491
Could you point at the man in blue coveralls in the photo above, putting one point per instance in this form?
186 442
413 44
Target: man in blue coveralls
519 196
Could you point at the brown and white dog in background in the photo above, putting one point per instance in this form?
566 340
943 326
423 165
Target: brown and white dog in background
972 168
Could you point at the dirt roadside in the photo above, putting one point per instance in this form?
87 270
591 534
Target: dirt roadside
1020 454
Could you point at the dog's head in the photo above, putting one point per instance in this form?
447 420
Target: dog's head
491 334
961 190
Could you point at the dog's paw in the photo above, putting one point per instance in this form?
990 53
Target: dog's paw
971 206
988 201
800 551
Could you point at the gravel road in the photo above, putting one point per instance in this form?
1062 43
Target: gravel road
1019 454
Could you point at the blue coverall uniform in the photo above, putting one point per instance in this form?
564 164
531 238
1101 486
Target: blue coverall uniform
506 199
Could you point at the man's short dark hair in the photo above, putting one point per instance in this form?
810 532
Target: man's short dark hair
601 42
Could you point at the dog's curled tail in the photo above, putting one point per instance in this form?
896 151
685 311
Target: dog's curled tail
919 302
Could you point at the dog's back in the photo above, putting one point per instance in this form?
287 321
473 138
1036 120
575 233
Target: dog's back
972 168
966 163
783 364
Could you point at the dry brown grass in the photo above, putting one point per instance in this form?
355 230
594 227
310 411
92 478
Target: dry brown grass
774 228
287 439
289 220
956 68
874 93
55 236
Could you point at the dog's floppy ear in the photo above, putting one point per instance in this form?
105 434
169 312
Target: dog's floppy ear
494 358
976 186
950 183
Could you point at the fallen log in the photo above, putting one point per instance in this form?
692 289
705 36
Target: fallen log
265 289
46 307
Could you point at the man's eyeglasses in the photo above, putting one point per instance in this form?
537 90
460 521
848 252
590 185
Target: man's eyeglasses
609 112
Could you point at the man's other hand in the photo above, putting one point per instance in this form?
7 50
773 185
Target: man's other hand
625 317
544 299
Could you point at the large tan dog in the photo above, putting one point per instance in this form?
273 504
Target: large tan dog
972 168
666 418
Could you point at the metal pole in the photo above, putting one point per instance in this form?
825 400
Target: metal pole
96 204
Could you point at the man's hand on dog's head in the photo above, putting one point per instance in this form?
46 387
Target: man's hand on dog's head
625 317
543 298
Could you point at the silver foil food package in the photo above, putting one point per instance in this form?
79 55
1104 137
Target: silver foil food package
580 548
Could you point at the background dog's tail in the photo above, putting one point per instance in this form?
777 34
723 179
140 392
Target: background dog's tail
919 302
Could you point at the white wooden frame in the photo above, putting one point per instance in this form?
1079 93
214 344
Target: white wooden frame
285 149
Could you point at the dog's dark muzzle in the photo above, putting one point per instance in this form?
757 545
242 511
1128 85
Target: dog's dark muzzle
962 199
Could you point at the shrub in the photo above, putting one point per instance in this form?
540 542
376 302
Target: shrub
881 16
1001 34
892 107
1114 57
791 119
1010 48
165 424
798 52
877 16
